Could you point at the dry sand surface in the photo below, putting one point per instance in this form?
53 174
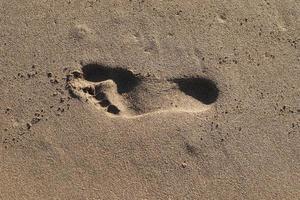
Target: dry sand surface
149 99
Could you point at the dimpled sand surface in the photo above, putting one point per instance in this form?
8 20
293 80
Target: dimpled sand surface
149 99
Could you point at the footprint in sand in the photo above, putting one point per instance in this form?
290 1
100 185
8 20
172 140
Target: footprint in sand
121 92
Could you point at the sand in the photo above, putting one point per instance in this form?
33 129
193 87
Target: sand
149 99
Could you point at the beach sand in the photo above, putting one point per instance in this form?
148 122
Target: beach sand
149 99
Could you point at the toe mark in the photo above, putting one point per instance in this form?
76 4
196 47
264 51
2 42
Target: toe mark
89 90
113 109
104 103
100 96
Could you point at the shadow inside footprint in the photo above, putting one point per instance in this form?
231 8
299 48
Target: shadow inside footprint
202 89
113 109
124 79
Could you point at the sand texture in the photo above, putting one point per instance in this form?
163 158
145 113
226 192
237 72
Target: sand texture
149 99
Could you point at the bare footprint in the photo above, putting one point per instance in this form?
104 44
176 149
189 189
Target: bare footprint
120 92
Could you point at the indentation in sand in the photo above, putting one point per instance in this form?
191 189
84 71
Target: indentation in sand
121 92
